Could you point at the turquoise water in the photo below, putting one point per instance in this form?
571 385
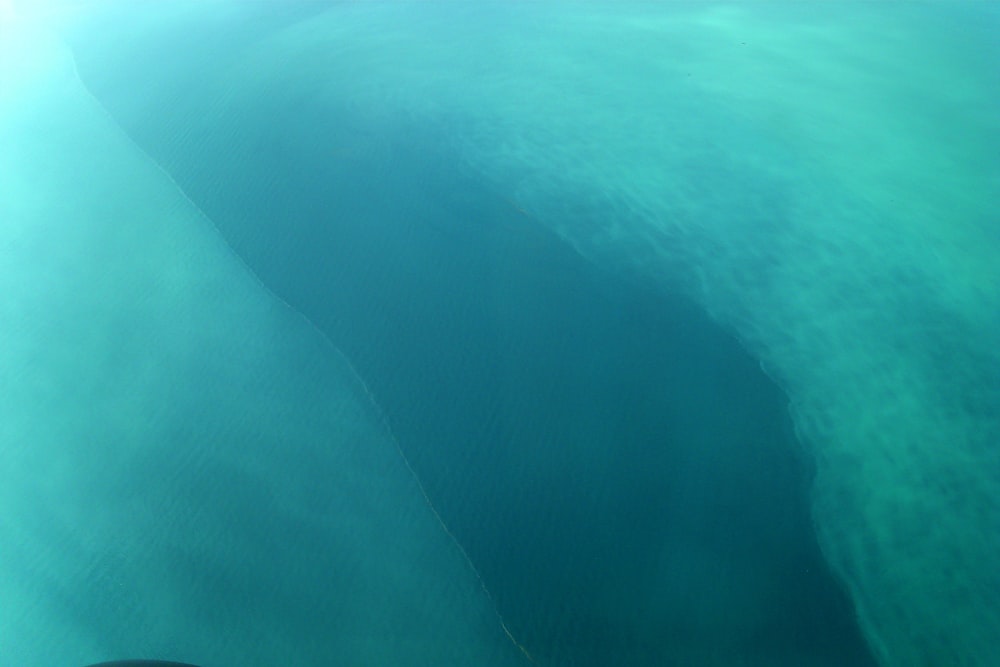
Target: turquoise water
474 333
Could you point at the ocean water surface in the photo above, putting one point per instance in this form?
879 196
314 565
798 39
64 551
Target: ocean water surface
571 334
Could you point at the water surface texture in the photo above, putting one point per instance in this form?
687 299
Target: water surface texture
568 334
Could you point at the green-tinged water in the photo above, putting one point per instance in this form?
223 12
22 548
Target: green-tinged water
190 469
571 334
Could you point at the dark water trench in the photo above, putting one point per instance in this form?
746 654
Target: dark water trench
621 473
